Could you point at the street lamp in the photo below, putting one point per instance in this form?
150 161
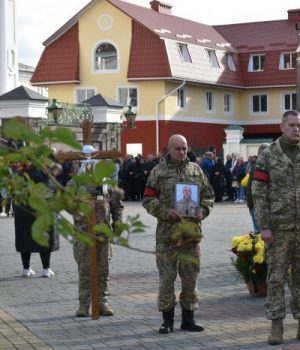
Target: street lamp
130 116
115 129
54 110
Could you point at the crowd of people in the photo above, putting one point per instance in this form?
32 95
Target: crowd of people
181 185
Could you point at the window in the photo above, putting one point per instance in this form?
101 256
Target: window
184 52
227 103
106 57
259 103
287 60
213 58
181 98
230 62
256 63
210 103
289 101
84 94
127 96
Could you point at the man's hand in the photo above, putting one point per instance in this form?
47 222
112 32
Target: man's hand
173 214
267 236
199 216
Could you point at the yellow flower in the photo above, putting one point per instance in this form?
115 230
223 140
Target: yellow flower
258 258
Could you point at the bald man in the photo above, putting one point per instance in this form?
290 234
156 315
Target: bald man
159 201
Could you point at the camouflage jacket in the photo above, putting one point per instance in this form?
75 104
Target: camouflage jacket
276 189
107 209
159 194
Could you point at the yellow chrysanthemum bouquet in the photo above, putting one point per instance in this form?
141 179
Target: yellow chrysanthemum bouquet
249 262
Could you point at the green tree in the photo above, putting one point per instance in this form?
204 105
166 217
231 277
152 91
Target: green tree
50 206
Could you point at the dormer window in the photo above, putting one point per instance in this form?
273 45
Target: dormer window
213 58
184 53
256 63
230 62
287 60
106 57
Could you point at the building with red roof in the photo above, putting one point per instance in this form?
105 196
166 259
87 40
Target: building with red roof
182 76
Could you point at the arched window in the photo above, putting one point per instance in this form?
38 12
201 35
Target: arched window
106 57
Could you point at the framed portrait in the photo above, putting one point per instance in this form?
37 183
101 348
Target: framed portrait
187 199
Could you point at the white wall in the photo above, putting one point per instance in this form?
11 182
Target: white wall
8 46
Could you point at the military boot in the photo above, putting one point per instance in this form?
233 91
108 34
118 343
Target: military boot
168 324
188 323
105 309
298 332
83 311
276 335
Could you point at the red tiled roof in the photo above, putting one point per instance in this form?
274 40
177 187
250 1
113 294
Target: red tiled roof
156 21
60 60
148 57
270 38
260 36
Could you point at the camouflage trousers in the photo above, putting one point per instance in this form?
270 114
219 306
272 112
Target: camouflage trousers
281 255
169 261
81 255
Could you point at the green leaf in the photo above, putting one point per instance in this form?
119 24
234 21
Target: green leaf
187 258
85 208
56 203
37 203
137 230
103 228
120 228
65 136
39 230
103 169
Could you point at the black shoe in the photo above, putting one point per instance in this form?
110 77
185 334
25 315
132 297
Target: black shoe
168 324
188 323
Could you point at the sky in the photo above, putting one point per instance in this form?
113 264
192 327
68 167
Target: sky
38 19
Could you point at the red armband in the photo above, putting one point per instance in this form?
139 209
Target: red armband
150 192
261 175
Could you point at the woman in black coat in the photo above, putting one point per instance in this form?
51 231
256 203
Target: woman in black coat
24 219
217 176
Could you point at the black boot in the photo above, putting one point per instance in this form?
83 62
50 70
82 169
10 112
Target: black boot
167 325
188 322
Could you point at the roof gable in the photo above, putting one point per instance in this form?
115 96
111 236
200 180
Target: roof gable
60 60
102 101
22 93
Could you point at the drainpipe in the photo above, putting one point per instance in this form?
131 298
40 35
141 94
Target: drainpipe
157 112
298 67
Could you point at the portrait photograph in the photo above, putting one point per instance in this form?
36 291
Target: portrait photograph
187 199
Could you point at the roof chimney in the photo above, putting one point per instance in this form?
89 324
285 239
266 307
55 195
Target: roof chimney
294 15
161 7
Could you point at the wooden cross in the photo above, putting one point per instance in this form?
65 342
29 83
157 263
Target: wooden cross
113 154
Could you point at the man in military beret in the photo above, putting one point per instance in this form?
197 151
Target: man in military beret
159 201
276 195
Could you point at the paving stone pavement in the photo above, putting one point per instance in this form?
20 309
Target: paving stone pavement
38 313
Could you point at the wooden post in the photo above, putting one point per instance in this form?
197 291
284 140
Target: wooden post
93 264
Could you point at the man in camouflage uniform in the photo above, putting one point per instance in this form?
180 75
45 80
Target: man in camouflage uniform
159 201
108 207
276 195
